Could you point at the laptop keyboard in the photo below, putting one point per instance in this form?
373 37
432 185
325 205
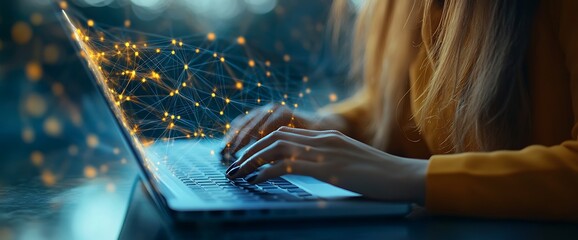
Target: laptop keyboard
208 181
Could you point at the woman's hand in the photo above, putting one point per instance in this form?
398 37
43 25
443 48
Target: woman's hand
332 157
264 120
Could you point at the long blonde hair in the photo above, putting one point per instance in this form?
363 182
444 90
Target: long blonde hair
476 52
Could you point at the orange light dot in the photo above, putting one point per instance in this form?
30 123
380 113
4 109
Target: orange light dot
211 36
37 158
241 40
239 85
90 23
63 5
333 97
33 71
90 172
21 33
251 63
92 140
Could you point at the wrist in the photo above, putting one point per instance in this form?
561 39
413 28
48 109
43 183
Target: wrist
417 180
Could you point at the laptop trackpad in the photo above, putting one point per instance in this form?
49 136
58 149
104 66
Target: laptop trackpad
319 188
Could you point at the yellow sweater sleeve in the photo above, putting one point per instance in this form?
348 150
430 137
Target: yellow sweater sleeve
537 182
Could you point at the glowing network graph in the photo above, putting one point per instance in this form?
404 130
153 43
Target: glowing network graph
170 88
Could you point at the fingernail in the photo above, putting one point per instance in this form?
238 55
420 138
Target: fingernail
232 171
230 167
252 177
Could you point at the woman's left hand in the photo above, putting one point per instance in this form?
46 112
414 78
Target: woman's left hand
335 158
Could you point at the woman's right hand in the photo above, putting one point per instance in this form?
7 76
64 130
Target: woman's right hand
264 120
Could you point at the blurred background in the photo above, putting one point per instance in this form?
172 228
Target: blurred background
56 133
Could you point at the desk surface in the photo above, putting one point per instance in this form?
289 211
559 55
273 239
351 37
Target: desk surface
117 206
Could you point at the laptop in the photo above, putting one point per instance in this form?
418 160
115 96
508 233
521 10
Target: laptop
186 178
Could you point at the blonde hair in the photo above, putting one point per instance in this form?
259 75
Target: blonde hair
476 51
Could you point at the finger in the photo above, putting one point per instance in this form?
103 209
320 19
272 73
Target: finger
281 168
308 132
247 133
269 140
275 152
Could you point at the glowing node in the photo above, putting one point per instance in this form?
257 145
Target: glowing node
222 59
305 79
258 84
212 152
239 85
126 44
286 58
127 23
180 44
48 178
158 50
333 97
227 126
197 104
90 172
211 36
251 63
173 52
268 74
283 103
136 54
52 126
227 100
36 19
110 187
28 135
241 40
34 71
21 33
213 95
214 55
268 63
143 80
37 158
296 105
134 46
174 42
221 113
197 50
308 90
90 23
92 141
186 66
63 5
184 84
